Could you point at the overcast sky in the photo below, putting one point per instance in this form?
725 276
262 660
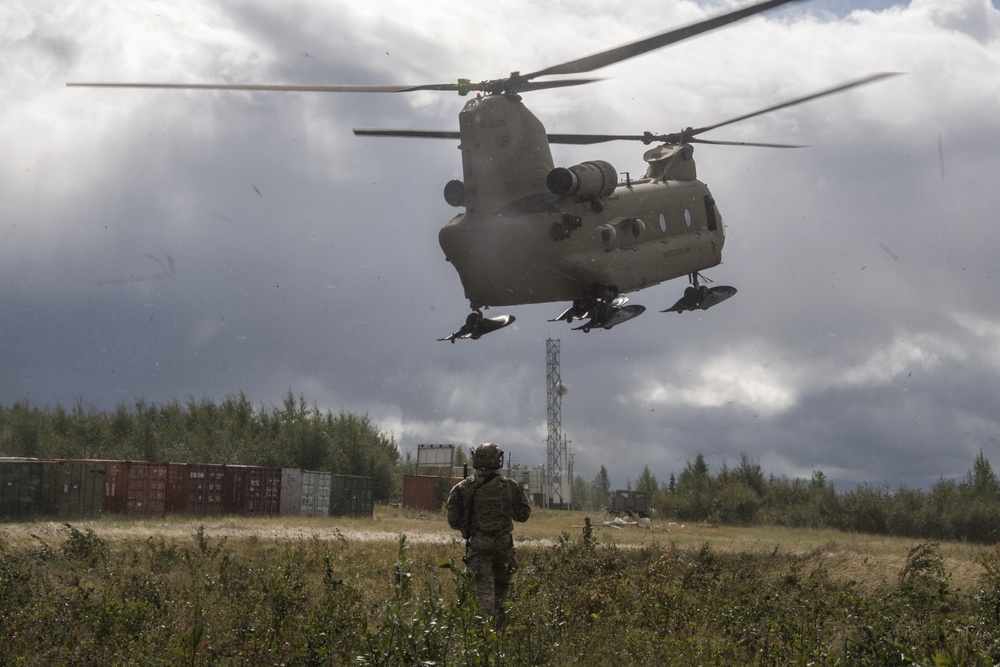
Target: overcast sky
174 244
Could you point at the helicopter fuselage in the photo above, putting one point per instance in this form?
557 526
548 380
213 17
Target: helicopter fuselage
533 234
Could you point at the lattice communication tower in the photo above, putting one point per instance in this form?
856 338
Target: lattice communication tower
554 443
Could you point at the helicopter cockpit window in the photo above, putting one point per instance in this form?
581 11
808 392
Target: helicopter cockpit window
663 223
713 224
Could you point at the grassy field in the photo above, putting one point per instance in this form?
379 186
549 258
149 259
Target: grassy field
871 559
389 590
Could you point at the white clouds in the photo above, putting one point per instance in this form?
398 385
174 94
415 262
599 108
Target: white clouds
986 336
976 18
899 357
764 380
16 23
728 378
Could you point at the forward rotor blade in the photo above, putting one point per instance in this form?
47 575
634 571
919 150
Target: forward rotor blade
514 83
278 88
633 49
784 105
462 87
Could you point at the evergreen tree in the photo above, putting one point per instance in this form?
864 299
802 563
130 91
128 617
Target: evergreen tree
582 494
601 496
647 483
981 481
694 490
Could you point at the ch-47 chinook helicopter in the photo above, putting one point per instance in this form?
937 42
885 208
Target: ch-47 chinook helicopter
535 233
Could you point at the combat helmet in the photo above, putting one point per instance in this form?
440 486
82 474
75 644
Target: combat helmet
487 456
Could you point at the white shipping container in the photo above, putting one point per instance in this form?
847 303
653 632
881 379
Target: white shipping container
315 493
291 491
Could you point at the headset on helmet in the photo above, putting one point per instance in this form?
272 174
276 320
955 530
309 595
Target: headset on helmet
487 455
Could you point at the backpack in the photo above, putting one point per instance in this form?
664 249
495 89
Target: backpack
491 506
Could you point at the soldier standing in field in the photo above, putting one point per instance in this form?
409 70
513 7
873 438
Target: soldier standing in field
483 507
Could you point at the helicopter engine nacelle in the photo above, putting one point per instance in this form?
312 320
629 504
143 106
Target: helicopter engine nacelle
593 180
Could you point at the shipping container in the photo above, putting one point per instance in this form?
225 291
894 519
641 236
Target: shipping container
420 493
252 490
195 488
73 489
291 491
305 492
136 488
315 493
426 492
351 496
20 489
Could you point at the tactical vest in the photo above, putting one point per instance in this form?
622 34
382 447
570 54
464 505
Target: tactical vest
492 507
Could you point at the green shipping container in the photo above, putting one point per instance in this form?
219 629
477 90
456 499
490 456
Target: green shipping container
351 496
73 489
20 489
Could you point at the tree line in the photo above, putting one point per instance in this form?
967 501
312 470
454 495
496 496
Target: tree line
296 434
965 509
292 435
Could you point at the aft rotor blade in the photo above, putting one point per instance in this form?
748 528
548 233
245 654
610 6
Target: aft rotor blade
587 139
784 105
413 134
557 83
745 143
649 138
633 49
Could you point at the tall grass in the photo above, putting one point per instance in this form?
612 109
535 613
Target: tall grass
76 597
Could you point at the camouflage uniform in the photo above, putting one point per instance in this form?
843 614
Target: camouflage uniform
484 507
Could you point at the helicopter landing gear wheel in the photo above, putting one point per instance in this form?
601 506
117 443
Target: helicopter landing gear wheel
606 309
477 325
700 297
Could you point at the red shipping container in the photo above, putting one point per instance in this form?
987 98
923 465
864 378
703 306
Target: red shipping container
426 492
195 488
136 487
252 490
420 492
